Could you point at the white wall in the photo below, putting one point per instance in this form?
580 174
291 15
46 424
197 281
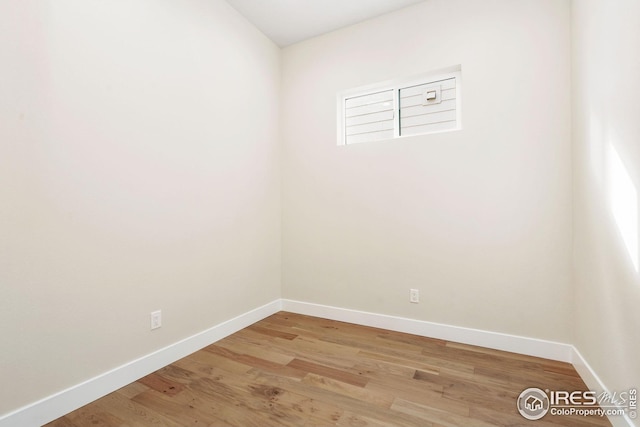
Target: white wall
478 220
140 159
606 135
139 170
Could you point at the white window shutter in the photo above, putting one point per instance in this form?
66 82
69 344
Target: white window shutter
429 107
420 105
369 117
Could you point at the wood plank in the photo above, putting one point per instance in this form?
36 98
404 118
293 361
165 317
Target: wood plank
351 419
243 348
206 360
471 392
93 415
126 408
273 333
159 383
378 398
443 418
379 369
329 372
416 392
188 414
350 403
132 389
62 422
240 386
265 365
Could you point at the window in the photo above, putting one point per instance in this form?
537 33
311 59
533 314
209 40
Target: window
428 104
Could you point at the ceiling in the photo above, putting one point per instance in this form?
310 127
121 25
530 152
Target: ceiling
290 21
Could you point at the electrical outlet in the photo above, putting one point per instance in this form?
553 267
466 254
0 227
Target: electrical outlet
414 296
156 319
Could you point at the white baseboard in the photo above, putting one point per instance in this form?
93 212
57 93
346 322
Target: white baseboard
513 343
59 404
593 382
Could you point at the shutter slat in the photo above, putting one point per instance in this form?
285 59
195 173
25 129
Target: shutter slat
435 127
368 137
368 109
417 110
429 118
370 118
370 127
372 98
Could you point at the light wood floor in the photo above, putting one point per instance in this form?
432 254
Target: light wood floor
294 370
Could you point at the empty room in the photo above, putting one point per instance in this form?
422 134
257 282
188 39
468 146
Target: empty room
319 213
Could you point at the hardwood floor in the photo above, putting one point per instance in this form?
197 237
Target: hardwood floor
295 370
